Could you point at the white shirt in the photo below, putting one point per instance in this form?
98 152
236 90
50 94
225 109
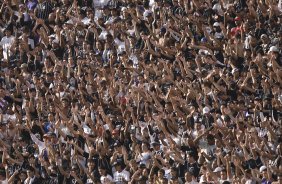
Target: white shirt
120 44
4 182
120 177
41 145
6 43
29 180
106 179
145 158
86 21
192 182
31 43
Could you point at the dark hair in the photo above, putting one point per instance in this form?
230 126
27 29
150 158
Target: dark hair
226 182
162 171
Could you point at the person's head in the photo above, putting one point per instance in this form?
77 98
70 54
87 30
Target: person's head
273 51
175 2
264 38
226 182
101 21
24 67
223 174
145 147
263 171
65 103
50 117
117 166
171 22
51 17
197 125
53 137
148 15
30 172
191 157
247 53
142 166
123 56
99 45
115 134
174 173
102 171
206 111
31 159
238 21
90 13
156 146
2 92
22 176
75 168
168 107
210 139
188 176
65 2
8 32
161 173
216 27
22 8
32 92
91 164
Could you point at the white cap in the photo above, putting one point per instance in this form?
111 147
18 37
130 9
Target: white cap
216 24
202 179
56 41
69 22
263 36
146 13
206 110
262 168
218 169
273 49
234 70
217 7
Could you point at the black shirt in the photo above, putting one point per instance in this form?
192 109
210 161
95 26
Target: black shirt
5 103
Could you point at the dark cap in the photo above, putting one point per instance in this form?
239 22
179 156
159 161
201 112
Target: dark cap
142 165
122 53
29 168
155 143
163 30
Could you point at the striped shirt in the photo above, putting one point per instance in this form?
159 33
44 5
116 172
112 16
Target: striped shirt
99 3
43 10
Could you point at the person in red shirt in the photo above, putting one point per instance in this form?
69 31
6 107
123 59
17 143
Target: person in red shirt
236 30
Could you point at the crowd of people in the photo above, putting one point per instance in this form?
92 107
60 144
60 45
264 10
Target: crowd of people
140 91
